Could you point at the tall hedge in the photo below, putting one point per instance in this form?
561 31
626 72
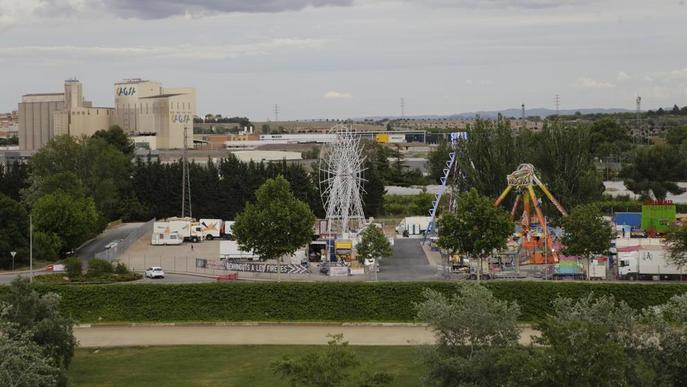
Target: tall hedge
316 301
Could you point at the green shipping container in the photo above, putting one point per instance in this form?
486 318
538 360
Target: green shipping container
658 217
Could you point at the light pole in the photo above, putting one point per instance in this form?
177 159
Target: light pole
13 253
30 248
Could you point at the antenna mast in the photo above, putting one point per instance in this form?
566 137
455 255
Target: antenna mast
185 179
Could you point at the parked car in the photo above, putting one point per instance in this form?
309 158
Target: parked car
155 272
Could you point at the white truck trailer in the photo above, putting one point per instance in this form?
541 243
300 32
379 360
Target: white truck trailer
413 225
211 228
231 250
648 264
186 227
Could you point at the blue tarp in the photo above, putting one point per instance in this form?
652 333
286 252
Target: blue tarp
632 219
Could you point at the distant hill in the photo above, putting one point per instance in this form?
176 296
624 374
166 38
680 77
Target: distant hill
542 112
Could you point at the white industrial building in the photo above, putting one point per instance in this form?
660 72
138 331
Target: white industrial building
141 108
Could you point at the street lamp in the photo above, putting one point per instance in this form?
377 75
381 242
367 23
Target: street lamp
13 253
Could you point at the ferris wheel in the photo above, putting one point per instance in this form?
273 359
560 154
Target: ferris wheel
341 180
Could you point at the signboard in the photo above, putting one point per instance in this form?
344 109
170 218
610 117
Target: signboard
338 271
343 245
267 268
382 138
201 263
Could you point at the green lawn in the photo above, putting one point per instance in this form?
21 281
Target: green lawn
218 365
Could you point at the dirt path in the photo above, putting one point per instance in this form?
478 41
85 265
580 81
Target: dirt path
262 334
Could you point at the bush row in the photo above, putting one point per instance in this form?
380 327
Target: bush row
288 301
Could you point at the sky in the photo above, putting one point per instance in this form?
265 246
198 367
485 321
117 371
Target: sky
353 58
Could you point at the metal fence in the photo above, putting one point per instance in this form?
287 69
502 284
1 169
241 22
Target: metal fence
124 244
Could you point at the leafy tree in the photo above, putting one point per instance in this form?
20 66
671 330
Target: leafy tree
97 266
655 169
73 267
13 179
437 160
676 239
103 170
23 363
563 158
476 228
676 135
116 137
373 186
46 246
477 340
14 226
73 219
277 224
336 365
373 244
586 233
38 317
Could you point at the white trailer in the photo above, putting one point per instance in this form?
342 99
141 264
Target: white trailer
162 239
211 228
187 228
413 225
597 270
649 264
231 250
227 229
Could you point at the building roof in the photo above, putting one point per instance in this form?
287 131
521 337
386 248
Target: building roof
40 94
162 96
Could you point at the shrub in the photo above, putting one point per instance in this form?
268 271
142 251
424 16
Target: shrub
330 301
121 269
97 266
73 267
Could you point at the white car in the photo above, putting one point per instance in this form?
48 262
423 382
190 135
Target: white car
155 272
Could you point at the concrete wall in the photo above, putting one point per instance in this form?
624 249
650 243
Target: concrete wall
36 115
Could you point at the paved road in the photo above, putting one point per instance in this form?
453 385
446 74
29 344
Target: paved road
262 334
407 263
98 244
176 279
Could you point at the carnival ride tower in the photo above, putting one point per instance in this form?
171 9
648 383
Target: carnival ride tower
523 180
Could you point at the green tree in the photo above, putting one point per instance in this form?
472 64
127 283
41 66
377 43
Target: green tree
676 239
476 228
586 233
277 223
437 160
336 365
14 226
676 135
373 244
14 178
116 137
594 341
373 195
655 169
23 363
38 317
73 219
477 341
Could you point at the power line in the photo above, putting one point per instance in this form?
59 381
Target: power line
185 180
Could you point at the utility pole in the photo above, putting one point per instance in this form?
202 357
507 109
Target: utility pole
31 248
185 179
403 107
522 124
276 112
637 114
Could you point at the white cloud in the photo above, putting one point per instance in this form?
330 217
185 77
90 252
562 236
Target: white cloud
669 76
337 95
622 76
589 83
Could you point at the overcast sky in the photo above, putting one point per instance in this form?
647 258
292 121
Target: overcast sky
351 58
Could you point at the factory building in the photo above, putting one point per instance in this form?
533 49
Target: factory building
44 116
145 107
141 108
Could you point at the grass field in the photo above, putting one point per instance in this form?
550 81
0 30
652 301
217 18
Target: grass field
219 365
